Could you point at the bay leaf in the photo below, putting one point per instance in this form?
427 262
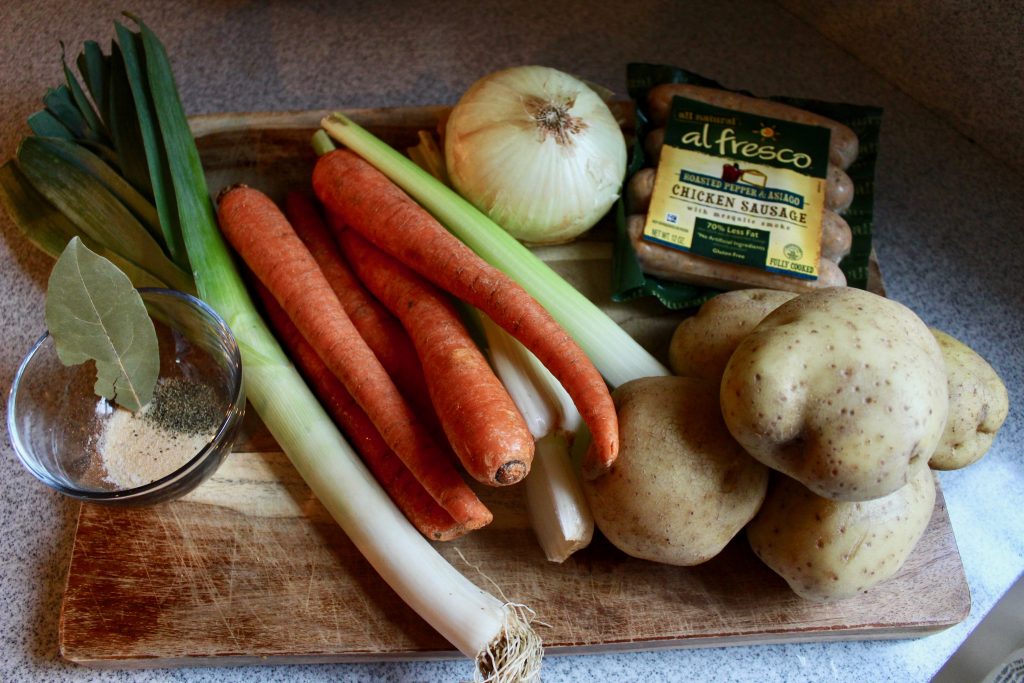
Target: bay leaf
94 313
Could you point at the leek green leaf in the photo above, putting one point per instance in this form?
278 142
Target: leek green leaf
186 169
111 180
50 230
43 225
94 313
45 124
96 212
157 148
92 119
95 69
126 132
60 103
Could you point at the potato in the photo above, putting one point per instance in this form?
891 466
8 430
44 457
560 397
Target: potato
701 344
681 487
978 405
830 550
840 389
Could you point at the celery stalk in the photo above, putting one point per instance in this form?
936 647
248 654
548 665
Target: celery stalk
617 356
558 511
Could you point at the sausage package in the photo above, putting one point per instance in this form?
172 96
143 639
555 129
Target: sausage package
727 191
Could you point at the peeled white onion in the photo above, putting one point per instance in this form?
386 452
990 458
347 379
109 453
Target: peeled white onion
536 150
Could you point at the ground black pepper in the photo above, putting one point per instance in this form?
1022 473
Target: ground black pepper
184 406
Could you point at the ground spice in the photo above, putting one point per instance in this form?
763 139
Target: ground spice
181 405
139 448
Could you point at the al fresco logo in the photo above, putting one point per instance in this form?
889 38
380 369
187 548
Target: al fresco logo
726 143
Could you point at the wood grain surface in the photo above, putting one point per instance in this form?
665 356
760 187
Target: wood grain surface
250 567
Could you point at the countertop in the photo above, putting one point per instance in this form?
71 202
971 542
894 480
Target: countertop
948 235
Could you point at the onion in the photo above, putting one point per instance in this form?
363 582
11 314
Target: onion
536 150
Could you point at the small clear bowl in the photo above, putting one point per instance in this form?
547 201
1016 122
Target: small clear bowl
56 420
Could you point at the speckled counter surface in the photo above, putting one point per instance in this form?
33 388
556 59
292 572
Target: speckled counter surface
948 235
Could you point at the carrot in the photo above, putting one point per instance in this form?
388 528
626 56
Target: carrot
375 207
383 333
261 234
394 477
482 423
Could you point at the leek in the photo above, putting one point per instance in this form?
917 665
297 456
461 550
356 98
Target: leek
95 211
82 103
53 199
135 117
122 190
95 69
558 510
616 355
45 124
50 230
62 106
495 634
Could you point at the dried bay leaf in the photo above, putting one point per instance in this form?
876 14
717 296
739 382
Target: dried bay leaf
94 313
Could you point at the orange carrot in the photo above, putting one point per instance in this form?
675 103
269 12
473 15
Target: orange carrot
383 333
482 423
261 234
375 207
402 487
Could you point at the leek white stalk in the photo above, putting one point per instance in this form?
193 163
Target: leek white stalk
476 623
558 510
616 355
482 627
537 150
493 633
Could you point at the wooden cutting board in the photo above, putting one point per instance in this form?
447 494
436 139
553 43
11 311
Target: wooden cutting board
250 567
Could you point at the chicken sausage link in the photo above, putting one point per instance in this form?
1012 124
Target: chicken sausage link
836 236
838 189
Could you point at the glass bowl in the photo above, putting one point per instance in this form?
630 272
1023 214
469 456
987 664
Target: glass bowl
68 438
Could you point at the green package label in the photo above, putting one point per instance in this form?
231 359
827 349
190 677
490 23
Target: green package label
747 138
740 188
734 243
